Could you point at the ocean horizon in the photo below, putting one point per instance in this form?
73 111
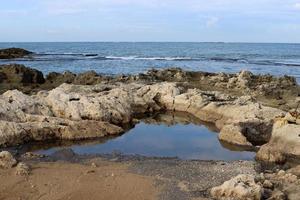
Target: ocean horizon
113 58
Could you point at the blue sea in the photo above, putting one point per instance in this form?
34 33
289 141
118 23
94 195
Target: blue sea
132 58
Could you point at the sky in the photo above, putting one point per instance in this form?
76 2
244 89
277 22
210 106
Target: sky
150 20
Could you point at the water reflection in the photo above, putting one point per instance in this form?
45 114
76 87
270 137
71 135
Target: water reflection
165 135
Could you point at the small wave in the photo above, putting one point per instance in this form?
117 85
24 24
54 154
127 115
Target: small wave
70 56
67 54
149 58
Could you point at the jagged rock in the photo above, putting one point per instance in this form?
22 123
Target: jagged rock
13 53
88 78
268 184
19 74
284 143
58 79
286 186
7 160
65 111
277 195
242 187
22 169
295 170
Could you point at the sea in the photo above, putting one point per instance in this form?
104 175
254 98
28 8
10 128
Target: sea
113 58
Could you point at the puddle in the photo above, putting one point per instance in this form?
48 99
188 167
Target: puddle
165 135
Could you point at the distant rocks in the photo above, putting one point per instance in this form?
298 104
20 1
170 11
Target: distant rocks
86 78
12 53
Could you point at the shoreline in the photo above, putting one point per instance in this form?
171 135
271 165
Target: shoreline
251 111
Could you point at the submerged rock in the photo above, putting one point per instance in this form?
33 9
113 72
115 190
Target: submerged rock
11 53
242 187
7 160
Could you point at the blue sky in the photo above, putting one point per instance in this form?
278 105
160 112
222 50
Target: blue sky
150 20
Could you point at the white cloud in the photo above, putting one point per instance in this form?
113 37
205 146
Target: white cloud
297 6
212 21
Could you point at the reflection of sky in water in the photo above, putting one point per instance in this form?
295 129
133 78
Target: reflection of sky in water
183 141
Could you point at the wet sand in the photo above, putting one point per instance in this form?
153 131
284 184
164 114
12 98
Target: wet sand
68 176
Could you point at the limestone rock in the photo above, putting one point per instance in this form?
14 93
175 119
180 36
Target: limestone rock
277 195
295 170
232 134
22 169
284 143
7 160
242 187
89 111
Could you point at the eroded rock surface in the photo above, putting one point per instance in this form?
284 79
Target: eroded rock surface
284 143
77 112
88 111
280 92
7 160
242 187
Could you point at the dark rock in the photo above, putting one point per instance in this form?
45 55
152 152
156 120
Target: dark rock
58 78
88 78
11 53
15 73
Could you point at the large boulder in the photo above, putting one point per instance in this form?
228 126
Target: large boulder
242 187
11 53
19 74
284 143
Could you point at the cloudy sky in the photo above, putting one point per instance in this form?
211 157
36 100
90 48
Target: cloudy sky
150 20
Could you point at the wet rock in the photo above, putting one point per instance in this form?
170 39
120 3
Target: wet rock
11 53
88 78
242 187
57 78
32 155
64 154
22 169
19 74
7 160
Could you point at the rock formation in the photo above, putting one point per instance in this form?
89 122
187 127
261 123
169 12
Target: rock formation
7 160
11 53
92 110
242 187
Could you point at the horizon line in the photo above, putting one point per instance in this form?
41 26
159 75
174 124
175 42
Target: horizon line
149 42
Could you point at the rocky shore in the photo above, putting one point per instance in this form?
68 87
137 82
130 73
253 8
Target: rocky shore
251 112
12 53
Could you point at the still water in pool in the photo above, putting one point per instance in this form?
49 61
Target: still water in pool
185 141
